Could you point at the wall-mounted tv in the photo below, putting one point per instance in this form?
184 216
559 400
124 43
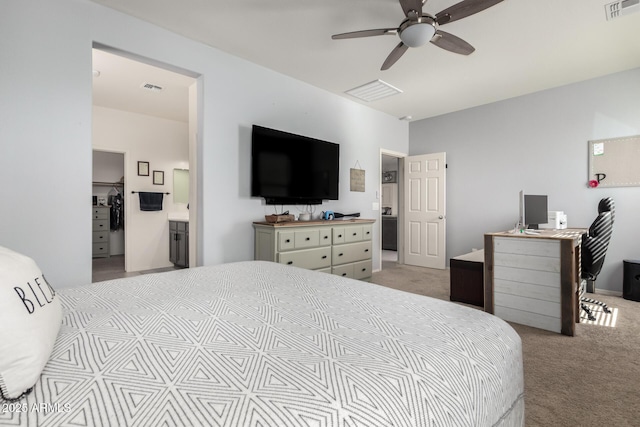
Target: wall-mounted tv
292 169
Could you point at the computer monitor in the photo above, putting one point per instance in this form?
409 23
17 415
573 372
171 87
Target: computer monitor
533 210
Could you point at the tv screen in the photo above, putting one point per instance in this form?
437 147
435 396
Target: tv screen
293 169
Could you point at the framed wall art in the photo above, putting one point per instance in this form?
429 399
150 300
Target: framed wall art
158 177
143 168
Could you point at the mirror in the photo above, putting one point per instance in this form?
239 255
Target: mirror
181 186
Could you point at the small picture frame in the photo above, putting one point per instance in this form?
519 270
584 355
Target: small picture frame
158 177
143 168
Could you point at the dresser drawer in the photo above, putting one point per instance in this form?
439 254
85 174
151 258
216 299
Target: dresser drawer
101 248
352 234
286 240
356 270
100 236
343 270
306 239
310 259
362 269
303 239
100 213
325 236
367 232
100 224
351 252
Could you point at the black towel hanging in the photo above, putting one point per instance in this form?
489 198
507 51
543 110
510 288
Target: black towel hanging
150 201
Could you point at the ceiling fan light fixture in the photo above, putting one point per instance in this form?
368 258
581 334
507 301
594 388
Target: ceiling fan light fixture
418 34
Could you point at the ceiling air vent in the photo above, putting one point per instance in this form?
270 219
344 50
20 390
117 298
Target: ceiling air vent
373 91
621 8
151 87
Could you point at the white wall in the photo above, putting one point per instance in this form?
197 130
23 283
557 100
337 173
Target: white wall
164 144
46 132
537 143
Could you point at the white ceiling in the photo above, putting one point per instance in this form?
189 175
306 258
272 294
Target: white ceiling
522 46
119 86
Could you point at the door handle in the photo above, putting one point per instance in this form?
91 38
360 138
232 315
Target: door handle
440 217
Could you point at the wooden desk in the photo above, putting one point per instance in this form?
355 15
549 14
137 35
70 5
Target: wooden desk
534 279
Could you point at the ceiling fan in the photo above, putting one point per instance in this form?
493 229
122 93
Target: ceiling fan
419 28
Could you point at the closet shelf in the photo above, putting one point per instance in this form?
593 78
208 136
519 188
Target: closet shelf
109 184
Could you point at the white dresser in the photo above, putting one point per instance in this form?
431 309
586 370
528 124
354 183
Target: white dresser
533 279
341 247
101 226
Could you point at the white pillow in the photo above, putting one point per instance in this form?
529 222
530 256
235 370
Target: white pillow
30 317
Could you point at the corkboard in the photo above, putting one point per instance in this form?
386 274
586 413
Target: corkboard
615 162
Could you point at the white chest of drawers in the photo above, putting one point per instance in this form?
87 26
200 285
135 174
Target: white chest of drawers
338 247
101 226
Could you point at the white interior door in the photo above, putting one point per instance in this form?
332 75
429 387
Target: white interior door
425 210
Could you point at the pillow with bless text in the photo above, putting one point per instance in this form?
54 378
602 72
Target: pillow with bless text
30 318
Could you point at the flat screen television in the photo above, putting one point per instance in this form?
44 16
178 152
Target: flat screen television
293 169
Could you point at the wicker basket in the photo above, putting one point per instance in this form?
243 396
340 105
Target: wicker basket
278 218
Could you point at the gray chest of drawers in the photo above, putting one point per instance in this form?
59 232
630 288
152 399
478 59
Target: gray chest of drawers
101 227
336 247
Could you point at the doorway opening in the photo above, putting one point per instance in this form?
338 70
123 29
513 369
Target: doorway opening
108 215
391 166
146 113
421 213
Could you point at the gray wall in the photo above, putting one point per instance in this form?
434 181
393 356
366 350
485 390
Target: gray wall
45 132
537 143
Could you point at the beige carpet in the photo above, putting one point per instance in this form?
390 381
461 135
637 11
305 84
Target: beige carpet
591 379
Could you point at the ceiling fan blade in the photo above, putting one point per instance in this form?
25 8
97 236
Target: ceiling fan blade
463 9
409 5
395 54
452 43
365 33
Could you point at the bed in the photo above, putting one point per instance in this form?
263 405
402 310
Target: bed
261 344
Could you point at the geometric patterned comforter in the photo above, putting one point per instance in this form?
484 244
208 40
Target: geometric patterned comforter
261 344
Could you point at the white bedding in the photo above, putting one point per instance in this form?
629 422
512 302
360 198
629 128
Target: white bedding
261 344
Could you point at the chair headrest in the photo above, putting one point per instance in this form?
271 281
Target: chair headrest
607 205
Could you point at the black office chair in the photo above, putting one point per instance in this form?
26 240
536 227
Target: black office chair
594 249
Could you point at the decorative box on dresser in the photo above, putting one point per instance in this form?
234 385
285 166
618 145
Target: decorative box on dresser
341 247
101 226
